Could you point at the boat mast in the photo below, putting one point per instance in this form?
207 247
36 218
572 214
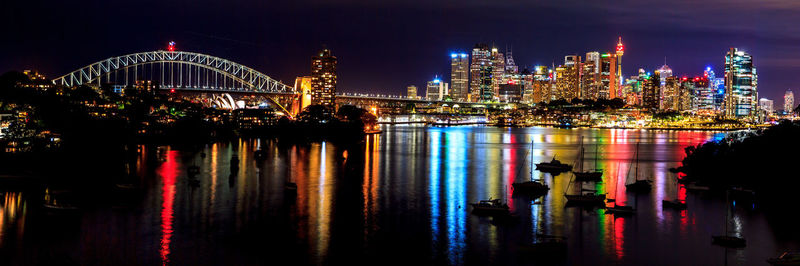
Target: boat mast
636 172
580 161
596 152
531 167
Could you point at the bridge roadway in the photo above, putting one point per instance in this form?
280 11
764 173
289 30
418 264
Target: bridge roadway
351 98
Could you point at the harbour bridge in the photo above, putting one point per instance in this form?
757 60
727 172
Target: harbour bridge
193 72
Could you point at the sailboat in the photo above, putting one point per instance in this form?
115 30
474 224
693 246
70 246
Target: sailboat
588 175
532 186
728 240
554 166
675 203
490 207
639 185
585 196
621 209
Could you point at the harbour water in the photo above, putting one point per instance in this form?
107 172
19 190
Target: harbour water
399 197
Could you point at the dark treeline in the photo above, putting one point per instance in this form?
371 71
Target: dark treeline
763 161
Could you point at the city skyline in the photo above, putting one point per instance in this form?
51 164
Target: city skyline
690 41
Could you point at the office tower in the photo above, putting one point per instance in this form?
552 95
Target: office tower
412 92
664 72
437 90
671 93
510 92
526 79
498 70
511 68
480 65
765 105
619 53
788 102
323 79
567 82
651 92
541 85
571 60
608 77
590 77
704 93
741 84
459 76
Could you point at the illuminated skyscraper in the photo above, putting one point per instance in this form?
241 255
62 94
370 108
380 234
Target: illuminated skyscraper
590 76
437 90
671 94
765 105
511 67
741 83
479 68
412 92
323 79
498 71
651 92
664 72
459 76
788 101
567 79
608 77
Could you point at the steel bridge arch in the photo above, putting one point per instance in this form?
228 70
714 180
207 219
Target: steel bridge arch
256 81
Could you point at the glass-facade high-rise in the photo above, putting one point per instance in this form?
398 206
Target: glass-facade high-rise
741 83
459 76
480 69
323 79
788 101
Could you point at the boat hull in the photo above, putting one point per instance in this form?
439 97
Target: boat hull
530 187
673 204
477 209
586 199
588 176
546 167
729 241
640 186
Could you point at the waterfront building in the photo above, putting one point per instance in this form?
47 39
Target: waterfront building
480 70
608 77
741 84
254 119
788 102
765 105
459 76
323 79
437 90
411 92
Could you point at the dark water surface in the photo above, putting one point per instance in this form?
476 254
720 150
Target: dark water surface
400 197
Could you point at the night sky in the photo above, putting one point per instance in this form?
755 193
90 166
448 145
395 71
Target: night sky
383 46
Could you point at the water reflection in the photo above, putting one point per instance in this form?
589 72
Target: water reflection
406 189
